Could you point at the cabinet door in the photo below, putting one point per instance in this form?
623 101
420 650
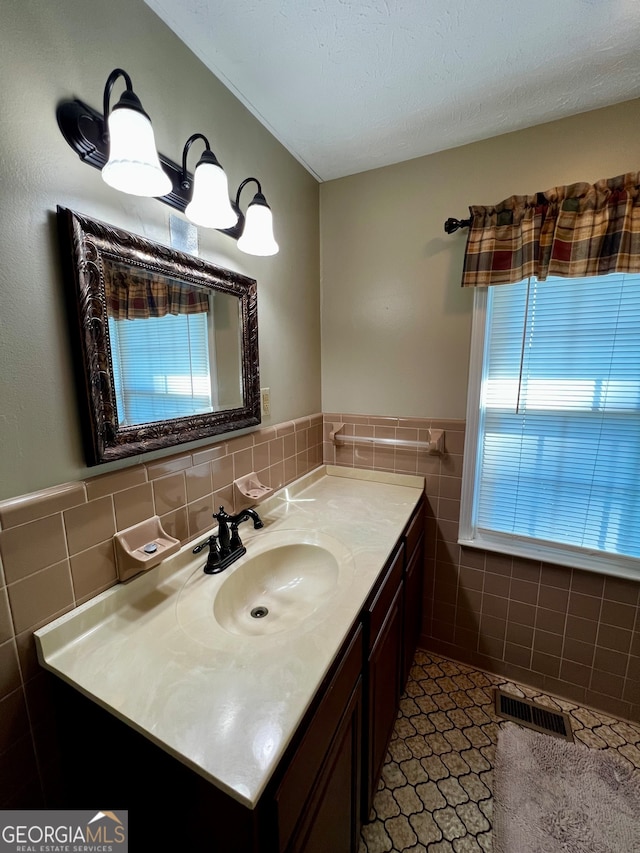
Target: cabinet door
331 821
306 765
413 584
384 688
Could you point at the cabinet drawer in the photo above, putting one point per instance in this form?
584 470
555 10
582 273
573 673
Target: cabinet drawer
415 531
306 763
379 607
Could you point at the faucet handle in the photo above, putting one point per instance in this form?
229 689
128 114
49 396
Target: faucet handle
211 542
235 542
212 565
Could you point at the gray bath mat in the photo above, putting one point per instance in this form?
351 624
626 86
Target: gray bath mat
552 796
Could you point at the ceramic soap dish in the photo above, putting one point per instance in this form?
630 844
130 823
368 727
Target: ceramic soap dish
248 491
142 547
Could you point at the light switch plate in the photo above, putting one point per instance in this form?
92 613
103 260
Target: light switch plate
265 401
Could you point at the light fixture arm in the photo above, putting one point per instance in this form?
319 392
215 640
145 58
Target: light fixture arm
108 88
243 185
186 180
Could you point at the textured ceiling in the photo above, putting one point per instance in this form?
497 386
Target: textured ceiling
350 85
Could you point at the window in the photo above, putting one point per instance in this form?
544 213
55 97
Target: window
552 459
161 367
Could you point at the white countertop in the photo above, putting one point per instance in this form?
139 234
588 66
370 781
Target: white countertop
227 705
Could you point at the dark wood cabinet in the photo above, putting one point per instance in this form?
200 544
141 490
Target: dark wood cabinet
324 784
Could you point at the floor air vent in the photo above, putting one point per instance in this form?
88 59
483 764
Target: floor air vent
532 715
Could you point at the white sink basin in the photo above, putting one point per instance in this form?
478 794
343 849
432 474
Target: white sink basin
282 581
277 589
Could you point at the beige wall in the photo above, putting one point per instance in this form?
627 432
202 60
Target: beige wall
395 323
66 48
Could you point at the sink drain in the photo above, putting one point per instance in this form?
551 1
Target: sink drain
259 612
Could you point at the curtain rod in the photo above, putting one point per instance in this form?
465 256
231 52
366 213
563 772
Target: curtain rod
452 225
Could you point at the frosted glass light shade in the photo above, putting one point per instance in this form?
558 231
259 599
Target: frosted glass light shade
210 206
257 237
134 166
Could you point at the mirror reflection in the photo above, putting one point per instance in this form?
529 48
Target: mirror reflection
175 348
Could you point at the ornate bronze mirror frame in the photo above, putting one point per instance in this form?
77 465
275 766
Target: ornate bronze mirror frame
114 276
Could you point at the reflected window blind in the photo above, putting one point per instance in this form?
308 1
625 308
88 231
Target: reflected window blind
559 435
161 367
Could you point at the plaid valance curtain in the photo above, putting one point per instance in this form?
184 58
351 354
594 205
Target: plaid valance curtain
573 232
134 293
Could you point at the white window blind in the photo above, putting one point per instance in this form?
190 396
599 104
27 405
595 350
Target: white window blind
552 462
161 367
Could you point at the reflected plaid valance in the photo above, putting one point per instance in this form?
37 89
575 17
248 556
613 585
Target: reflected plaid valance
133 293
573 232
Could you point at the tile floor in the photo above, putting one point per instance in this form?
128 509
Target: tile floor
435 793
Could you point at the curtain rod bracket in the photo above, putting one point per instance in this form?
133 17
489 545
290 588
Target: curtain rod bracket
452 225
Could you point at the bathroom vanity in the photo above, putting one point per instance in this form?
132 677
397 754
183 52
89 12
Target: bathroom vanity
225 733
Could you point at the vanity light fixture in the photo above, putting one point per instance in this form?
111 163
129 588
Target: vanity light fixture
210 206
133 165
257 234
130 163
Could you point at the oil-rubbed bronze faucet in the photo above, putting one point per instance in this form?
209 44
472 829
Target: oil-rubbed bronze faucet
226 547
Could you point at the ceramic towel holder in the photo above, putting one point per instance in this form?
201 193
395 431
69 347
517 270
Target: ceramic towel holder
433 445
248 491
142 547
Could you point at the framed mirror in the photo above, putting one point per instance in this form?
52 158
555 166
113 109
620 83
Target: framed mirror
166 343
